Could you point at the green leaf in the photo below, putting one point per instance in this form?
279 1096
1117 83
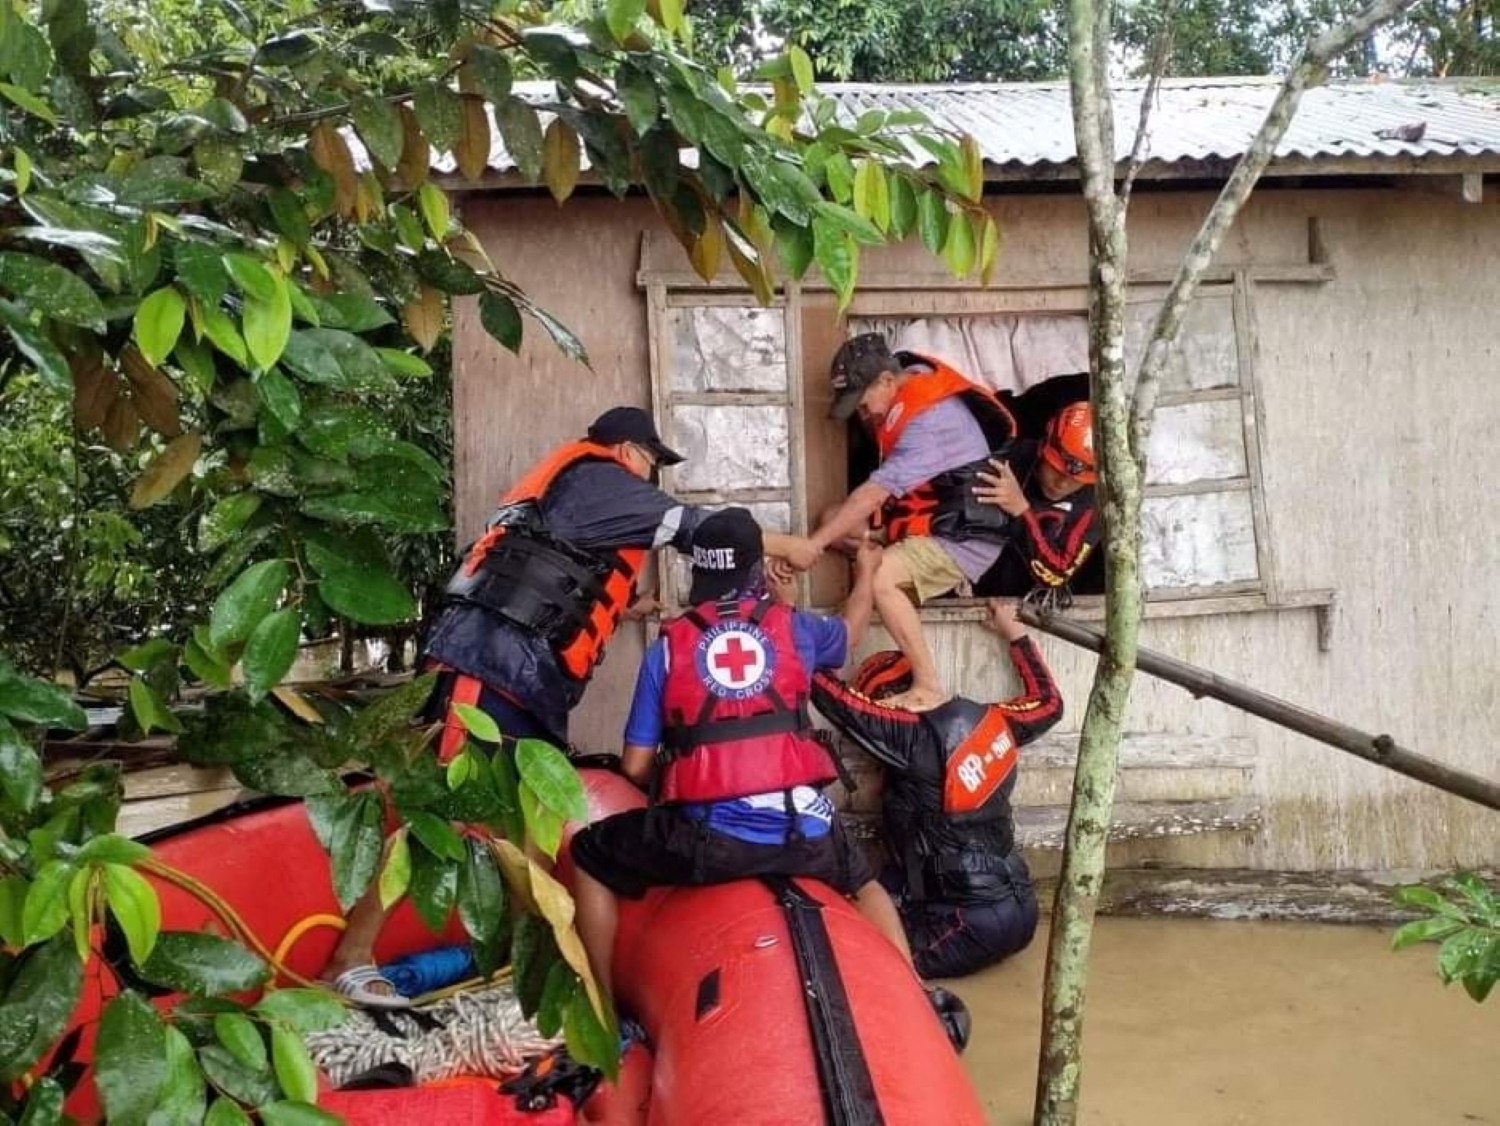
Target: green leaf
501 319
461 768
492 72
306 1010
436 835
352 830
29 102
207 665
226 1112
158 324
51 289
43 988
112 848
543 826
840 175
622 16
242 1037
225 335
130 1060
268 324
856 225
183 1095
379 127
522 130
148 654
834 251
638 94
223 521
481 893
903 206
46 909
205 964
395 876
200 268
252 276
44 1104
561 984
552 778
81 910
20 768
932 220
296 1114
405 364
1424 930
35 345
440 111
271 651
12 919
227 1074
352 312
150 711
872 199
336 358
959 250
247 600
533 950
478 722
589 1040
293 1066
393 713
802 69
370 597
280 397
434 887
135 907
386 509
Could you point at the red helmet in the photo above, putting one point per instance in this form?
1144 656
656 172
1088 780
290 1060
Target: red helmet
1069 444
882 674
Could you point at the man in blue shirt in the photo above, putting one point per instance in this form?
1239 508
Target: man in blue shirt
719 717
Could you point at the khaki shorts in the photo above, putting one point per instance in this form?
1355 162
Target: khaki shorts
933 571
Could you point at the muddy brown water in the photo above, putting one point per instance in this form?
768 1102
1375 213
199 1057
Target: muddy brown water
1238 1023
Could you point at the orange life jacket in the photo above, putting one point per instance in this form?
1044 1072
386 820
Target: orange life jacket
936 507
572 596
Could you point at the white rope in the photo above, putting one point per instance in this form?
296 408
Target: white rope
482 1033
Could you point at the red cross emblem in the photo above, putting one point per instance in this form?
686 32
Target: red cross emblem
735 659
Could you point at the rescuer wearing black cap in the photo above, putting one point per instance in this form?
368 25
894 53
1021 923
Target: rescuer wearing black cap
537 599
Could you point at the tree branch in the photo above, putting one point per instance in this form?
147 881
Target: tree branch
1308 71
1159 53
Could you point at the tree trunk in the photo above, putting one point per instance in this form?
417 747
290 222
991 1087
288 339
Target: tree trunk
1122 429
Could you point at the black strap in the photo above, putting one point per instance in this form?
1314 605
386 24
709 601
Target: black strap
681 738
844 1078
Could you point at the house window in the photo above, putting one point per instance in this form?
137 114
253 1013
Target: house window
1203 506
743 392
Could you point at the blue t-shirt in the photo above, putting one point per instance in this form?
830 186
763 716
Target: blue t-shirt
822 643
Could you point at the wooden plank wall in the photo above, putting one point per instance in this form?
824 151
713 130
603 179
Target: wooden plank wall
1380 416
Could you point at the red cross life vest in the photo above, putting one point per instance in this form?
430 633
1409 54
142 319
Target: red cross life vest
735 704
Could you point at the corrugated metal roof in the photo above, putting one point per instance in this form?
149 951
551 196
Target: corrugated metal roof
1027 128
1205 119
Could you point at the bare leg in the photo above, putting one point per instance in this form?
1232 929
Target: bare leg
905 625
356 947
598 918
874 903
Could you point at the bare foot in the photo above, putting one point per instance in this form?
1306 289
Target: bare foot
917 698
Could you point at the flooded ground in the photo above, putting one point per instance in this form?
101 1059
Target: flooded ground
1227 1024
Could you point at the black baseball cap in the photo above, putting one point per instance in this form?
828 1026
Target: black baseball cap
859 362
727 547
631 424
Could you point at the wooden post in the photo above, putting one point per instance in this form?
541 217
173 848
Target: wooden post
1382 750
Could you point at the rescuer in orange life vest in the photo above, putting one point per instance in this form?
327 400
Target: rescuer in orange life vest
935 430
961 884
534 605
720 717
1046 491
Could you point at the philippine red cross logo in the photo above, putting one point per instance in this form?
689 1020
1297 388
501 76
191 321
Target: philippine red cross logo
735 660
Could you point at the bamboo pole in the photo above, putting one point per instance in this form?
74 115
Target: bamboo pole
1382 750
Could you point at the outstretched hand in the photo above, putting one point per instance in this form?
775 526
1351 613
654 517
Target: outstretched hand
1004 620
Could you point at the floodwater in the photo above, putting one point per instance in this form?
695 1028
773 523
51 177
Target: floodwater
1236 1023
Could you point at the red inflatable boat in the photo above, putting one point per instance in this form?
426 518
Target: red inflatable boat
734 985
